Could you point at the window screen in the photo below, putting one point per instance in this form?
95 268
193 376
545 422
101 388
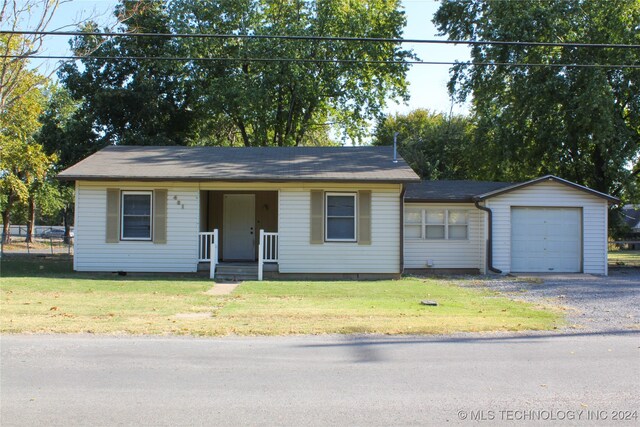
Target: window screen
341 217
136 215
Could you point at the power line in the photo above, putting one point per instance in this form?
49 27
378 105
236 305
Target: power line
321 60
327 38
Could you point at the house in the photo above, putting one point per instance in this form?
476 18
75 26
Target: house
321 212
631 217
313 211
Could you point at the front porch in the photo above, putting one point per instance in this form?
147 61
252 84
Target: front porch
238 236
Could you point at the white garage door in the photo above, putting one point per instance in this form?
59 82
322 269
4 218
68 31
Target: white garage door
546 240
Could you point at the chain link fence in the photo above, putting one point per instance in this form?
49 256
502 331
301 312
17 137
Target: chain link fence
47 240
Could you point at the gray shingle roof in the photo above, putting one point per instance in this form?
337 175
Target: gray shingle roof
356 164
631 215
468 191
450 191
547 178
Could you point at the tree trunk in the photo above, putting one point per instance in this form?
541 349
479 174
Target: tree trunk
67 224
599 170
31 220
6 220
243 132
6 234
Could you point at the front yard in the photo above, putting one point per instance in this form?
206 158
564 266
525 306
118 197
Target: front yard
41 295
624 258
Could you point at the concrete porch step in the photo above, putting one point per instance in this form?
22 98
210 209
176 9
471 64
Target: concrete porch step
237 271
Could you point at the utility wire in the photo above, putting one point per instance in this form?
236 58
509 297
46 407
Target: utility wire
321 60
326 38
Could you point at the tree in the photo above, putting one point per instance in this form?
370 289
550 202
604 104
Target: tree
240 100
16 50
277 103
434 145
22 162
65 136
23 166
136 101
577 122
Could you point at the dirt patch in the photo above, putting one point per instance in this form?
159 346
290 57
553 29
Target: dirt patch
192 315
222 288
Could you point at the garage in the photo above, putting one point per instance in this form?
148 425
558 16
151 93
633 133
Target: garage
546 239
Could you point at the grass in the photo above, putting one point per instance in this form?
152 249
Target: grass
45 296
625 258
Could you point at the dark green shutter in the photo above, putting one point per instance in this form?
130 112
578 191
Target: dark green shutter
317 217
364 217
113 216
160 216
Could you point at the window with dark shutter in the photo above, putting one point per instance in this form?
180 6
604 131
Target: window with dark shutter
136 215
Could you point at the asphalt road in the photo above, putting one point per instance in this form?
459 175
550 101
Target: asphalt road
325 380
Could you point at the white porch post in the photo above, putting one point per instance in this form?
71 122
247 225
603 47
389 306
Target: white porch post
212 263
213 255
260 255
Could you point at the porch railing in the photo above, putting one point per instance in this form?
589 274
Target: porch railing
267 250
208 249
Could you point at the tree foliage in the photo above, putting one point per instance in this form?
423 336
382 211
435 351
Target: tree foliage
23 162
239 100
16 49
129 101
580 123
64 135
434 145
23 167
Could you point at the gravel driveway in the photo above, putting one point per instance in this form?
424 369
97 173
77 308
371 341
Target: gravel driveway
592 303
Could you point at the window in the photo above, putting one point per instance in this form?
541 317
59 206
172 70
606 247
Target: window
340 217
436 224
136 215
413 223
458 225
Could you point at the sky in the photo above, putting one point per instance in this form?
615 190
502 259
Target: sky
427 83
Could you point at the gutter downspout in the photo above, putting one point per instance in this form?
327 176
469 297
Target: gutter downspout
489 237
404 189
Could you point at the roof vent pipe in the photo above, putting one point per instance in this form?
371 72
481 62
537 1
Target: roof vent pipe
395 147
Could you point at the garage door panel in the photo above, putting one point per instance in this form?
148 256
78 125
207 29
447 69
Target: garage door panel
546 239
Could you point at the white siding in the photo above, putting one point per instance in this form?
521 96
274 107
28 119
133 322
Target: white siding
448 253
552 194
179 254
297 255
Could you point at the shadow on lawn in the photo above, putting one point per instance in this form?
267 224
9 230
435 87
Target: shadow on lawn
61 266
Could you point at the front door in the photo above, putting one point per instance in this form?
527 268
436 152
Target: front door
238 222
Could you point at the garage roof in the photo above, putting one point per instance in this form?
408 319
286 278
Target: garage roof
450 190
552 178
465 191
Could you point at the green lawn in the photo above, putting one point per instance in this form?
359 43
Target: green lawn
624 258
44 296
